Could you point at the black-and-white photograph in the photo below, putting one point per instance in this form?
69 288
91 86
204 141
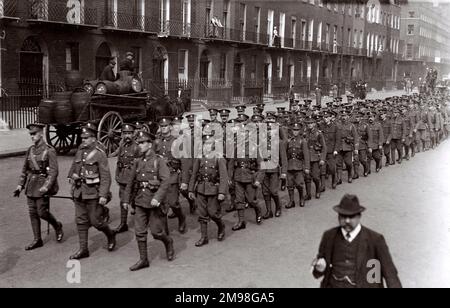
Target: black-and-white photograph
224 144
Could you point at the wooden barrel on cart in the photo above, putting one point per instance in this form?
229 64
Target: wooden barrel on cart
80 106
46 111
74 79
63 107
125 85
107 87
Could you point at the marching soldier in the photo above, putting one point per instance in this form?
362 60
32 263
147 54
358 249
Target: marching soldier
179 169
298 163
231 140
332 135
317 153
91 180
365 138
375 146
149 184
39 179
386 124
208 186
273 175
398 137
224 116
409 130
213 115
349 146
244 173
127 152
190 162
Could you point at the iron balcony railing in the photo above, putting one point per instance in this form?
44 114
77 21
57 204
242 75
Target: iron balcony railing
8 8
57 11
124 21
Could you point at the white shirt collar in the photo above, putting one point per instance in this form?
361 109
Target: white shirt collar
353 234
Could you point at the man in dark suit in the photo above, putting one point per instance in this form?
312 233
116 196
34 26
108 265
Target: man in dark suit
353 256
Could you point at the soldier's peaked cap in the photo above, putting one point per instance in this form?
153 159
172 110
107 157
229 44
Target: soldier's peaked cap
35 127
165 121
128 128
143 137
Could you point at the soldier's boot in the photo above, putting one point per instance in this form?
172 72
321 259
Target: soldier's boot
317 185
413 150
143 257
276 199
333 181
291 203
308 191
123 227
322 183
269 213
220 229
339 177
258 214
83 252
36 227
355 172
168 244
366 168
392 161
350 174
110 235
388 161
378 165
406 153
241 224
57 226
301 195
181 219
204 235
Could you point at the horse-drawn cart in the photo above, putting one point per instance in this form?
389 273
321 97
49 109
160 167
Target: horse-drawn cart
107 111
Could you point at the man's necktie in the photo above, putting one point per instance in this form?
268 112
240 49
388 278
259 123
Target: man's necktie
348 236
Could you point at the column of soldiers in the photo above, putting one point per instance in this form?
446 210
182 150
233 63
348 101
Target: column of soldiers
313 143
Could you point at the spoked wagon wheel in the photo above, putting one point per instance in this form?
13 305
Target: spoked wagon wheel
61 137
110 130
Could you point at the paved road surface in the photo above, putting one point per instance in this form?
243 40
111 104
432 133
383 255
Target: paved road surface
409 204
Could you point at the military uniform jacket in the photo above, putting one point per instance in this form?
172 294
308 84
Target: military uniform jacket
179 168
40 169
398 128
210 175
316 145
281 156
387 129
349 137
298 154
91 165
377 133
332 136
150 179
365 136
127 153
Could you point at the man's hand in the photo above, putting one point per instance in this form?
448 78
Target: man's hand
155 203
125 206
43 190
18 191
410 136
307 171
256 184
191 196
322 162
230 182
283 176
403 140
75 177
387 142
356 152
184 186
221 197
320 265
380 147
335 153
370 150
102 201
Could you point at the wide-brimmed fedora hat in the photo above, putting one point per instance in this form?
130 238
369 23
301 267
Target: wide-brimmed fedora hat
349 206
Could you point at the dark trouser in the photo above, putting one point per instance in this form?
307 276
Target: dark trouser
361 159
345 157
209 207
89 213
154 218
123 212
331 165
173 201
387 152
245 193
314 176
271 184
377 156
407 145
295 180
396 146
39 208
